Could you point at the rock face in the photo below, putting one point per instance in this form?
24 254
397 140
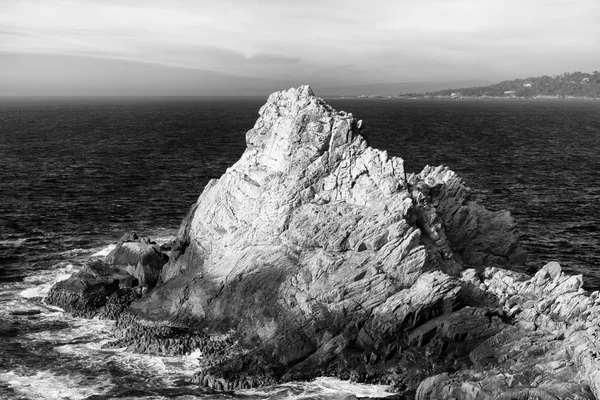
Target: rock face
549 352
139 257
316 253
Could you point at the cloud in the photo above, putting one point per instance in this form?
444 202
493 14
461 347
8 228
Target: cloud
5 32
35 74
263 58
393 41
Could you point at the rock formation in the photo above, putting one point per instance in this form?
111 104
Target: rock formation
106 288
139 257
98 289
316 254
549 350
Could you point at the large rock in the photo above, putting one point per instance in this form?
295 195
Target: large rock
316 253
104 288
139 257
98 290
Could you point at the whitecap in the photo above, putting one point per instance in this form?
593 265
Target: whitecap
45 280
76 252
322 388
335 385
45 385
84 333
105 251
86 339
163 239
169 368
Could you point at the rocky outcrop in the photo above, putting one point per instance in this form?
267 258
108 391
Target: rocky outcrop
139 257
548 352
105 288
317 254
97 290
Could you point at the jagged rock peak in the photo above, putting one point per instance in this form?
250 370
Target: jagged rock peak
296 126
300 152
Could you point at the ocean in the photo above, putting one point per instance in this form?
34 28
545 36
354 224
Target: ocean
76 173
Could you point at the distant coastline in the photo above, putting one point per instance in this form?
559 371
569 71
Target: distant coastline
441 97
567 86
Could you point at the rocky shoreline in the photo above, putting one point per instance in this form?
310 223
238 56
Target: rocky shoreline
316 254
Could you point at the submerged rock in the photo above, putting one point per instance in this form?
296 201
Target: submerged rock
316 253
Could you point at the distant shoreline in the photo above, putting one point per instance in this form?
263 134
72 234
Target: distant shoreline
424 97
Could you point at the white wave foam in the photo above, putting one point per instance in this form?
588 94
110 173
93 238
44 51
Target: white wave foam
322 388
163 238
85 339
358 389
76 252
159 239
45 385
83 332
45 280
168 368
105 251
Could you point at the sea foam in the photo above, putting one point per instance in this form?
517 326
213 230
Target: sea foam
44 280
105 251
45 385
319 388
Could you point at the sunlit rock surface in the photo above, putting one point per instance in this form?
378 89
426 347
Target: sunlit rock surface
317 254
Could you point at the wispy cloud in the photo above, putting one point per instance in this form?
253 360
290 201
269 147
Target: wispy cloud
390 40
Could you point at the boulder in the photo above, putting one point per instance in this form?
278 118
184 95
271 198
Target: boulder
104 288
140 258
317 254
130 236
97 290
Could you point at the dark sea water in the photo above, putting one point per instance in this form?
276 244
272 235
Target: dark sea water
77 173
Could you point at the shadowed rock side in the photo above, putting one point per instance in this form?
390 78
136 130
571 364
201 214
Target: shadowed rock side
98 290
317 254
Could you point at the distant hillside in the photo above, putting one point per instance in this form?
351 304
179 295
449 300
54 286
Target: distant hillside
574 84
392 89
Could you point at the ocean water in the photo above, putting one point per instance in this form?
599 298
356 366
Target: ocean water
75 173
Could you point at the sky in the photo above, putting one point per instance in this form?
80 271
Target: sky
251 46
